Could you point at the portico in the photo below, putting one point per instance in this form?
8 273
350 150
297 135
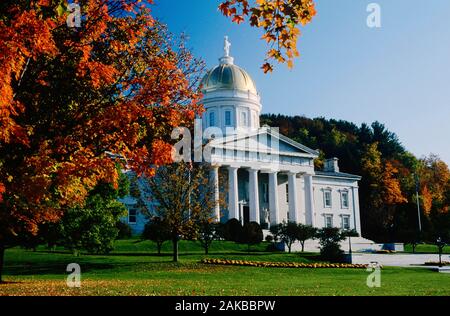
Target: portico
259 186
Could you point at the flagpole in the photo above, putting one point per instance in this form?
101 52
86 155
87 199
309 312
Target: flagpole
418 202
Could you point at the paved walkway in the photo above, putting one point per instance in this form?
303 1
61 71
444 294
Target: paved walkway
397 260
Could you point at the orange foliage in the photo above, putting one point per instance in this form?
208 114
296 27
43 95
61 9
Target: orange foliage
68 96
279 19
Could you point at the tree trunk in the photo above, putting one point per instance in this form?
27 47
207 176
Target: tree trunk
159 246
303 245
175 249
414 248
2 258
289 247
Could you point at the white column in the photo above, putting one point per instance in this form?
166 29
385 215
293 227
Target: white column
273 199
254 196
294 215
233 195
309 200
215 182
356 217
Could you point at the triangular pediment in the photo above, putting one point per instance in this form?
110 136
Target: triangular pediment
263 140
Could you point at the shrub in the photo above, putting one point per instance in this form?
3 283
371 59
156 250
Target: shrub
269 238
124 230
233 230
251 234
329 239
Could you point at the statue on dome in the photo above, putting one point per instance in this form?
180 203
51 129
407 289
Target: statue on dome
226 47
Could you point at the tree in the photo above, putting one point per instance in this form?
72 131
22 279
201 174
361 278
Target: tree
278 19
93 227
288 233
207 233
119 83
411 237
305 232
252 234
329 239
158 231
183 196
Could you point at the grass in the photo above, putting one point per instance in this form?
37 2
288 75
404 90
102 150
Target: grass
134 269
426 248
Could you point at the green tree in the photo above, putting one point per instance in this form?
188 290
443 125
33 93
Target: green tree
207 233
157 231
329 240
287 233
305 232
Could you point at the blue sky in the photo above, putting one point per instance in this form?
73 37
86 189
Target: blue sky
398 74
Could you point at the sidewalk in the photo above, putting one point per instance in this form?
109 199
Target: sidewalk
397 260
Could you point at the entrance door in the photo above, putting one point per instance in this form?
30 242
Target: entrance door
246 214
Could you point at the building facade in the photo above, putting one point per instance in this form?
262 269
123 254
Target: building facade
271 178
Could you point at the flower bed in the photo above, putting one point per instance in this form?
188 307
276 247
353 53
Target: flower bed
283 264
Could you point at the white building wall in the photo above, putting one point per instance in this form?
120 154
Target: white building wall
336 186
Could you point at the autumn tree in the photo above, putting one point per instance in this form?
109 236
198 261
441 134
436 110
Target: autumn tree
183 198
119 83
280 21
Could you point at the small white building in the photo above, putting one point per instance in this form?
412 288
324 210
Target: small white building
271 178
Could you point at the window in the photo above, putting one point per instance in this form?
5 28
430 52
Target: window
244 121
328 221
346 222
287 193
227 118
132 216
344 199
212 119
327 198
265 192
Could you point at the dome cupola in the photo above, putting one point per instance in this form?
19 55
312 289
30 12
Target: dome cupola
230 97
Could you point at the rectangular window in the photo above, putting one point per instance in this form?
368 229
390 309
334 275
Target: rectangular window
212 119
327 198
328 221
132 216
344 199
345 222
227 118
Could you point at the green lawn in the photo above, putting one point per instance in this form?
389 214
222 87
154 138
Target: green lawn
427 248
134 269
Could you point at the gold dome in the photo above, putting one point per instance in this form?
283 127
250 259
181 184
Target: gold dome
228 76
